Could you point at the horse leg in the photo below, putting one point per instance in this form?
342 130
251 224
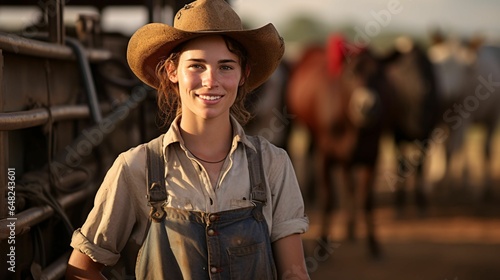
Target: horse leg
456 168
411 163
311 180
328 199
367 198
399 187
488 148
421 199
346 176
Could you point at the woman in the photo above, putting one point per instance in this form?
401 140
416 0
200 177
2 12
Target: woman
223 213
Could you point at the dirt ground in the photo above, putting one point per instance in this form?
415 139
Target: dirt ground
457 239
443 247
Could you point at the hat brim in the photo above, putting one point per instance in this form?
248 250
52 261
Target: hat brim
154 42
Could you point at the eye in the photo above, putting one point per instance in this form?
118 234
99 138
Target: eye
196 66
226 67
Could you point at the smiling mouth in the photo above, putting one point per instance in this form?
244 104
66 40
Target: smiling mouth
210 97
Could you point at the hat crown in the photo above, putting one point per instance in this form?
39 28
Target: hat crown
207 15
151 43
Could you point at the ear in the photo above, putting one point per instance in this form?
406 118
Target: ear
244 77
172 73
173 77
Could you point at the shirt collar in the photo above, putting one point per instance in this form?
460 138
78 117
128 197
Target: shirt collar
173 134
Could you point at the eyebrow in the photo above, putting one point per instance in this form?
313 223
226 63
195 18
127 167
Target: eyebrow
220 61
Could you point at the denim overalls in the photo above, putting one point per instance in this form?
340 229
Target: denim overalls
183 244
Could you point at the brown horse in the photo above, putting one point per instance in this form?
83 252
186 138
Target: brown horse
336 97
347 97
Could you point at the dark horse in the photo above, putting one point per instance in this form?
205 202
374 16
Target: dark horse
413 108
347 97
468 73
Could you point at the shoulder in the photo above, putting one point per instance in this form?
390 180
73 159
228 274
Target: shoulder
136 156
135 160
276 163
271 154
126 179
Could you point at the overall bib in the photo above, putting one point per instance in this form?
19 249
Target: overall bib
183 244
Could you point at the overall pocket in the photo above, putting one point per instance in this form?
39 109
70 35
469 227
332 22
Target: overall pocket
251 262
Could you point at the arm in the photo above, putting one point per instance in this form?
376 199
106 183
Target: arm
289 258
114 215
80 266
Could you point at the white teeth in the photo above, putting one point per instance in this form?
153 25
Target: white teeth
209 97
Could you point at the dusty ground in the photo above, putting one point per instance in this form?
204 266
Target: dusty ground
444 246
457 239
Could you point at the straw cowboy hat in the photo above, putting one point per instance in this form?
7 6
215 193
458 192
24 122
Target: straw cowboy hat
154 41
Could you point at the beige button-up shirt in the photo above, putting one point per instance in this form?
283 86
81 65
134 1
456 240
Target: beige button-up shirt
119 219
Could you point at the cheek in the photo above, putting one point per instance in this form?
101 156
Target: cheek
235 81
187 81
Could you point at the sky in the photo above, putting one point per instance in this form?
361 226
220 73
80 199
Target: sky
459 17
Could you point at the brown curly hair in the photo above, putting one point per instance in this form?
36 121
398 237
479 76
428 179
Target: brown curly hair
168 98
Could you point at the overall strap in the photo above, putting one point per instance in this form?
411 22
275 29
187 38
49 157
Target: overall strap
256 171
156 191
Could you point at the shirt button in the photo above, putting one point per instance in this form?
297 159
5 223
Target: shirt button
213 218
211 232
213 269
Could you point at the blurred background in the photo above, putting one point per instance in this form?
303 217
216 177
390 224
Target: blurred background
389 110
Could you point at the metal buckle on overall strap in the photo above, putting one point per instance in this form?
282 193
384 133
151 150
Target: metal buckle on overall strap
156 190
259 194
156 201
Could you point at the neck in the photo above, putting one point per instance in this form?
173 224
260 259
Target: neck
207 139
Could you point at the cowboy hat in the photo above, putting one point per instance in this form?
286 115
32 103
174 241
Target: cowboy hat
154 41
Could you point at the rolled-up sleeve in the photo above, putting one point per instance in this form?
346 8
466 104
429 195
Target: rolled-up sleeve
288 212
112 220
96 253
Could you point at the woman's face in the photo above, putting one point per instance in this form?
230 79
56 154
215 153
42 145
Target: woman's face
208 76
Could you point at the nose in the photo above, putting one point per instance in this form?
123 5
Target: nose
209 79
